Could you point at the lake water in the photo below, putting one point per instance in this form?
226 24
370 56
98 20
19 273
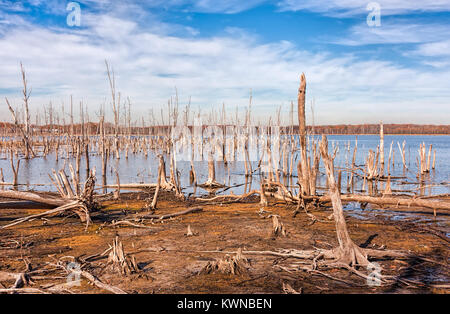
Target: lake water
33 173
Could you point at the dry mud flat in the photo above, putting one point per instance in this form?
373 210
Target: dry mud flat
168 260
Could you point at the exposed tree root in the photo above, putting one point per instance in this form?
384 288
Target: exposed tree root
278 227
228 265
287 289
184 212
118 261
81 204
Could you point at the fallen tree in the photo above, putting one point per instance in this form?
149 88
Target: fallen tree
81 204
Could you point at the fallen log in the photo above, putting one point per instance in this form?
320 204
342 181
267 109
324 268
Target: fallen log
28 196
131 186
94 280
80 204
184 212
23 290
230 196
410 202
57 210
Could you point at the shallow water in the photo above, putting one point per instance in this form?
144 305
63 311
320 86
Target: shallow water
34 173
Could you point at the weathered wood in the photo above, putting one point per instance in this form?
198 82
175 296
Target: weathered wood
184 212
304 179
347 252
28 196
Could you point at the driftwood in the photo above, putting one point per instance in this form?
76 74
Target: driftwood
287 196
158 185
128 223
118 261
184 212
228 265
54 211
80 204
287 289
347 255
384 200
233 197
99 283
23 290
277 226
28 196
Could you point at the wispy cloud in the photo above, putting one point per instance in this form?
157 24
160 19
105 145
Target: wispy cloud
200 6
215 6
436 49
401 31
153 58
347 8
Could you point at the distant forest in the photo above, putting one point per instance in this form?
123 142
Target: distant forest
375 129
92 128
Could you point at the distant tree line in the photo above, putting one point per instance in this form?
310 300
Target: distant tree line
375 129
92 128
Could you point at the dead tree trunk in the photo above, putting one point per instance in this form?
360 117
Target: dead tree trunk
81 204
304 178
15 169
381 150
347 252
158 185
25 136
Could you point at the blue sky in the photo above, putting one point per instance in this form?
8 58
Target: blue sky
215 52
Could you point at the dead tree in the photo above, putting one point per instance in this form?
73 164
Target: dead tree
166 185
347 252
381 150
158 185
402 153
25 135
81 204
115 106
15 169
304 177
118 261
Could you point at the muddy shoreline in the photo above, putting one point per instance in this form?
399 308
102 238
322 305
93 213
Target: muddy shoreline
170 262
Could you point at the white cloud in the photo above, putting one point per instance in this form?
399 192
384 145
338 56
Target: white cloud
346 8
224 6
436 49
402 31
207 6
200 6
149 64
13 6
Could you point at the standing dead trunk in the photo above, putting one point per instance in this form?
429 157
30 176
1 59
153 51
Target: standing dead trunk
263 199
158 185
15 169
164 183
402 153
25 136
117 191
304 179
381 150
348 252
211 170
